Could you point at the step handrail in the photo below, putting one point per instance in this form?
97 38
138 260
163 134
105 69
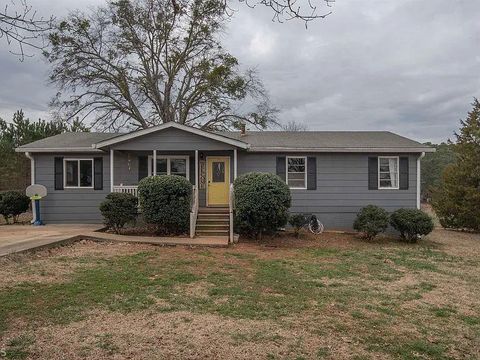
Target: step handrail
231 207
194 211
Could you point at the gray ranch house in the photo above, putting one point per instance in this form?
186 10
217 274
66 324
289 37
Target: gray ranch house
330 174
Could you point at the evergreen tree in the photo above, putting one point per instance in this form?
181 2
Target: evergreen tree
15 167
457 200
433 166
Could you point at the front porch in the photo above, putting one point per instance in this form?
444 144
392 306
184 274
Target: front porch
211 173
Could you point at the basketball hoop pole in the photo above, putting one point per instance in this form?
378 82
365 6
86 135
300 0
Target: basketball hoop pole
38 221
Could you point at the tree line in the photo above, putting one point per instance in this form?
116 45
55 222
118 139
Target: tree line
15 167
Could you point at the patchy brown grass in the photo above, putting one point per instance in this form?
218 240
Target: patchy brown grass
333 296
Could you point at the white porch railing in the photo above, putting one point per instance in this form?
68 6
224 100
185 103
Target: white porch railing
129 189
194 211
231 206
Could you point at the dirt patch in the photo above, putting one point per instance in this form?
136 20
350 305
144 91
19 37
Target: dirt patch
54 264
182 335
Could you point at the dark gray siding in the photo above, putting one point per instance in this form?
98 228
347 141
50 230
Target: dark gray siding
171 140
69 205
342 187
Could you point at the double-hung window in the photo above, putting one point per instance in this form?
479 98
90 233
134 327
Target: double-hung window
388 173
170 165
78 173
297 172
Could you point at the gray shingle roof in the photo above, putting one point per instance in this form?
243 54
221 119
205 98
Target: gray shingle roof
334 140
79 140
259 141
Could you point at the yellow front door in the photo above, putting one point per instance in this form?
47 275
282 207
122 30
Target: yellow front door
218 174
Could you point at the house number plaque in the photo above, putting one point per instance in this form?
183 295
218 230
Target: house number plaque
203 174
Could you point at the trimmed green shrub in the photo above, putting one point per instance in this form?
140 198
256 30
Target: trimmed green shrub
13 204
165 202
297 221
371 221
118 209
411 223
261 203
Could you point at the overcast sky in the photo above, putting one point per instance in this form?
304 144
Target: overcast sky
408 66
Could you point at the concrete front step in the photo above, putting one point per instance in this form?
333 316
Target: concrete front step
221 227
217 210
212 232
209 220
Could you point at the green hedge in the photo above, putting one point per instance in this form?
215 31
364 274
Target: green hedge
411 223
13 204
371 221
119 209
166 201
261 203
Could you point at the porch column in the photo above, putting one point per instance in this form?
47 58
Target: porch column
111 170
154 162
234 164
196 169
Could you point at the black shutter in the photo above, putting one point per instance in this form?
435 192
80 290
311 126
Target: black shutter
404 173
373 173
311 173
59 173
98 173
282 167
142 167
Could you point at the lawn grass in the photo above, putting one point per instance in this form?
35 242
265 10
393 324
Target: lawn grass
384 300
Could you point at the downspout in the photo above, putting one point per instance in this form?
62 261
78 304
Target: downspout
418 178
32 181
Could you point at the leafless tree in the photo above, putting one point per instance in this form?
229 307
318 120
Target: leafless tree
293 126
304 10
22 28
139 63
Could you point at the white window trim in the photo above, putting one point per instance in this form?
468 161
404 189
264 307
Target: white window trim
286 171
169 158
398 173
65 174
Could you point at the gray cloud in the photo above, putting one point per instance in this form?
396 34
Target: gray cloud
409 66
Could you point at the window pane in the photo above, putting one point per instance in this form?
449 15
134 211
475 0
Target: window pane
296 183
385 183
296 164
296 176
385 176
71 173
178 167
388 172
86 171
218 172
161 166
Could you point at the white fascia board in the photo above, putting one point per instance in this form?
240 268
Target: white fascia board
59 150
168 125
341 150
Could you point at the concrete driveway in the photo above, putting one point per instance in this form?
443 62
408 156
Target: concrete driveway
15 238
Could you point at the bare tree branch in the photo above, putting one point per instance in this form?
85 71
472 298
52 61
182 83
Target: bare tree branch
22 28
303 10
146 62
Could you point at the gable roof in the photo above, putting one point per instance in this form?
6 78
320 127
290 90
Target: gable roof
254 141
211 135
328 141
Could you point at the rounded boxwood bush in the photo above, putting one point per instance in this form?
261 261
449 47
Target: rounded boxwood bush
297 221
371 221
118 209
411 223
12 204
261 203
165 201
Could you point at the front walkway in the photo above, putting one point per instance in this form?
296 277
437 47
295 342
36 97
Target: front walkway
18 238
